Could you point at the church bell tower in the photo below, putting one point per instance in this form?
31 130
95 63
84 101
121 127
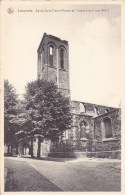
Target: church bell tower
53 62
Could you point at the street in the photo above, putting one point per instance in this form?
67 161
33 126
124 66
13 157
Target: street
25 174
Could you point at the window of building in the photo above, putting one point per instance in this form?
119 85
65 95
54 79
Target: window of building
83 129
51 50
51 55
96 110
108 127
62 58
82 108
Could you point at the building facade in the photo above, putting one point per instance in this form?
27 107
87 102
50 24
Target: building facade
96 129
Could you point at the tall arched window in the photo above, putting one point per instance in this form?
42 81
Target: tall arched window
62 58
51 55
83 129
108 127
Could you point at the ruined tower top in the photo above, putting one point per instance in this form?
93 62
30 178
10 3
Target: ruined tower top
53 61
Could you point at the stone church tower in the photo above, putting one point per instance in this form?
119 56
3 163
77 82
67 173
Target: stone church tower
53 62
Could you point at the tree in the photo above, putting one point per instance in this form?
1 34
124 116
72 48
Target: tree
48 109
10 112
22 121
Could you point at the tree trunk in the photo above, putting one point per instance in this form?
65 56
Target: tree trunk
11 150
39 148
17 149
31 149
24 150
8 149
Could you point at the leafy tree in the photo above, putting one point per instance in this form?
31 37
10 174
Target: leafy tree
48 109
25 121
21 120
10 112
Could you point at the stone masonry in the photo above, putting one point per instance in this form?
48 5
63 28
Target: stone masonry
53 62
96 129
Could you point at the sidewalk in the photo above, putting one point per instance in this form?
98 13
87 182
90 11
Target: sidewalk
23 177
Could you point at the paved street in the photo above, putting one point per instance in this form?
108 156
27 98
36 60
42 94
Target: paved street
62 175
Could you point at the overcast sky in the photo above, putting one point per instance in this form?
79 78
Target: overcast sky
94 48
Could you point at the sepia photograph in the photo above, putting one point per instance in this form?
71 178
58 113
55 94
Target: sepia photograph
62 99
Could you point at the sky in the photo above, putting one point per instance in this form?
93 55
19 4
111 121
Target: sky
93 33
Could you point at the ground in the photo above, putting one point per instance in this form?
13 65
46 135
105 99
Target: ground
25 174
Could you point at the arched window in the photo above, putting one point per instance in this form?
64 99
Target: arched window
51 55
83 129
96 110
82 108
108 127
62 58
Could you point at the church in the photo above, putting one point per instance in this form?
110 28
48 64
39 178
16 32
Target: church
96 129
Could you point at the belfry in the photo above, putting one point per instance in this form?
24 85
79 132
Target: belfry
53 62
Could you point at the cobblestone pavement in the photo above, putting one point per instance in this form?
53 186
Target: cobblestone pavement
74 175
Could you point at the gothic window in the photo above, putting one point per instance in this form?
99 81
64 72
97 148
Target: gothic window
51 55
96 110
62 58
83 129
108 127
82 108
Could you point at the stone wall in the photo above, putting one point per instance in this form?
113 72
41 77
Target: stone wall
49 73
109 154
94 145
91 109
63 79
54 72
114 142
